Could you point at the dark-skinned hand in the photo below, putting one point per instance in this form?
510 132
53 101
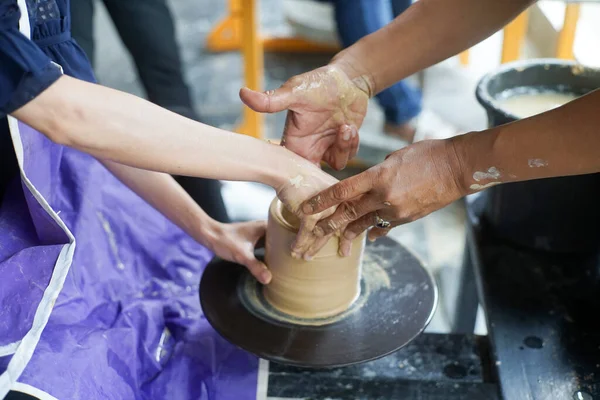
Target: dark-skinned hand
409 184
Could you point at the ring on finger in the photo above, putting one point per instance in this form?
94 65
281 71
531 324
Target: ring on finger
381 223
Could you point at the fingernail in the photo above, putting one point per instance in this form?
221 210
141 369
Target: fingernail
387 203
354 133
345 252
265 276
307 257
372 239
318 231
295 255
347 134
307 208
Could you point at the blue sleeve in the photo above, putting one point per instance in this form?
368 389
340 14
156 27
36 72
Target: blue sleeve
25 70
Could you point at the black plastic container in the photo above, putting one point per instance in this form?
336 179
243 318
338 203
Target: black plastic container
557 214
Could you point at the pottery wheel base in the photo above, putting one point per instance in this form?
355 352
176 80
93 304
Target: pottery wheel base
397 300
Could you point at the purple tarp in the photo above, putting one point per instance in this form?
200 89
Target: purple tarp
127 323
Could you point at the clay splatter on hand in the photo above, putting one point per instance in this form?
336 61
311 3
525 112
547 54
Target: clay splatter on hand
481 187
492 173
537 163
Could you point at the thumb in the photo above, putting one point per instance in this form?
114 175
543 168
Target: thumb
259 230
271 101
258 269
343 146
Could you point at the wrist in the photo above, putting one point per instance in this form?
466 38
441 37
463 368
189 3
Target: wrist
204 229
468 153
359 74
277 165
456 159
285 167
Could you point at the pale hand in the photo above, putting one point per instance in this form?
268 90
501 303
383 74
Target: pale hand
309 181
409 184
236 242
325 110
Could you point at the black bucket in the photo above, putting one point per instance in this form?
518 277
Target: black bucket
556 214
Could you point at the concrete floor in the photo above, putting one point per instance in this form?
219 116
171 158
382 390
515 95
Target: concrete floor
216 78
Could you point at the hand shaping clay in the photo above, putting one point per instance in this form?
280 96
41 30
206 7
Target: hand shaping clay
325 286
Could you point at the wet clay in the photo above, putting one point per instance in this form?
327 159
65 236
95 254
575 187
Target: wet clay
530 104
325 286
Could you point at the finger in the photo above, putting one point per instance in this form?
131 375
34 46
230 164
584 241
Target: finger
375 233
365 222
271 101
258 269
348 212
345 247
342 147
259 231
355 142
340 192
359 226
305 237
329 156
292 141
315 247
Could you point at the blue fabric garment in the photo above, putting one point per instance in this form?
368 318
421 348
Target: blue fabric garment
25 69
26 66
358 18
126 321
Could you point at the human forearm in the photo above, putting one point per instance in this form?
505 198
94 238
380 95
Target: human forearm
163 193
564 141
233 242
428 32
430 174
112 125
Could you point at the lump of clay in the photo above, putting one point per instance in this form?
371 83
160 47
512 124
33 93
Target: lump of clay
325 286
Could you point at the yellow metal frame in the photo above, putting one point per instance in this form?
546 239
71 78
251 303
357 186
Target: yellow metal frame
252 51
514 34
227 35
240 30
566 37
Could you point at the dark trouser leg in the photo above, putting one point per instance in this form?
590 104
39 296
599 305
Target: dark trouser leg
399 6
82 26
147 30
358 18
9 167
207 193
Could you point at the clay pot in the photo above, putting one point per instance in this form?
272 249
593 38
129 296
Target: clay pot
325 286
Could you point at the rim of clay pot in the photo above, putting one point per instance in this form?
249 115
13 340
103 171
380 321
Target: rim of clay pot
277 211
487 100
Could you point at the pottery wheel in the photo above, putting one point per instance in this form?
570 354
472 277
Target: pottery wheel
398 298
